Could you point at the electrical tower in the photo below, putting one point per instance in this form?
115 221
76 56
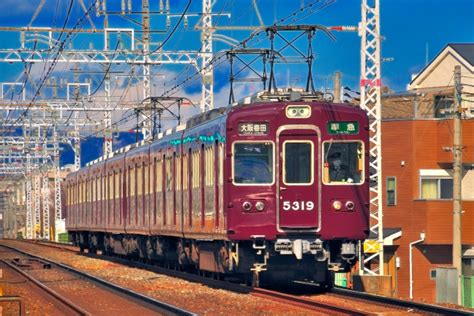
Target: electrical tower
370 91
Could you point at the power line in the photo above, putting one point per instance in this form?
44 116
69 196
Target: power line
173 30
55 59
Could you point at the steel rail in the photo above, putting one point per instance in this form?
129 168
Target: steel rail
67 304
165 307
297 301
234 287
424 307
305 303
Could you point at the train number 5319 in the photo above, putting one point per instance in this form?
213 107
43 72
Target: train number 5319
298 206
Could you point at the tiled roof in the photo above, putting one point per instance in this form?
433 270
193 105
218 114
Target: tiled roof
466 50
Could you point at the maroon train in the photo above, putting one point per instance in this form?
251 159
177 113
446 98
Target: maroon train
276 187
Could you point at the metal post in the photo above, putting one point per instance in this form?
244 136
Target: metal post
107 117
457 181
371 101
29 206
45 193
337 87
57 185
207 72
146 127
37 209
76 143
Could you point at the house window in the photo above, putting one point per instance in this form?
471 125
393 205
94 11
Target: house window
443 106
436 188
433 274
391 190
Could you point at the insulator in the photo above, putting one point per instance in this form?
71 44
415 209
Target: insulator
22 38
161 6
104 6
129 5
167 6
186 23
91 45
97 8
168 22
122 6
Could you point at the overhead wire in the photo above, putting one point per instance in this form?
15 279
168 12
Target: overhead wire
58 52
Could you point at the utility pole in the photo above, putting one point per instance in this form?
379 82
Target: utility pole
337 87
457 178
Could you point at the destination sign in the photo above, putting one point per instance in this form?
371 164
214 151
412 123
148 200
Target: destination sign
343 128
253 128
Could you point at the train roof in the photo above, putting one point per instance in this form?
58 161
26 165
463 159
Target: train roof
258 99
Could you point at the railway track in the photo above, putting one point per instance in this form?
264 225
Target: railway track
389 301
282 297
79 293
61 303
305 303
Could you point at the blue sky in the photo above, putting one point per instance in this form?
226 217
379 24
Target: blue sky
410 29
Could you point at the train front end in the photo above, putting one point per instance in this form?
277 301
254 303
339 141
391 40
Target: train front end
297 189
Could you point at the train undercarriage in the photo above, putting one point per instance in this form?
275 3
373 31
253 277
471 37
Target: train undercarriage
256 262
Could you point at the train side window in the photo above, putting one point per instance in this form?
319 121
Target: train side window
132 181
196 170
209 165
159 175
147 179
104 185
140 180
98 188
117 185
178 172
169 175
79 192
343 162
253 163
185 172
93 182
221 164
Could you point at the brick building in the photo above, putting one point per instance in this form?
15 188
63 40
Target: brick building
417 134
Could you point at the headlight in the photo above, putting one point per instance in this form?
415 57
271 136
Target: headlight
259 206
247 206
337 205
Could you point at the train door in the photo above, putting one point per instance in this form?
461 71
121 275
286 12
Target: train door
298 181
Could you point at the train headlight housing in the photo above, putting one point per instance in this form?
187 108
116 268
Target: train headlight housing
298 111
247 206
350 205
259 206
337 205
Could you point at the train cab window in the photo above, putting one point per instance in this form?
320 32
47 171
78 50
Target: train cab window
299 163
253 163
343 163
